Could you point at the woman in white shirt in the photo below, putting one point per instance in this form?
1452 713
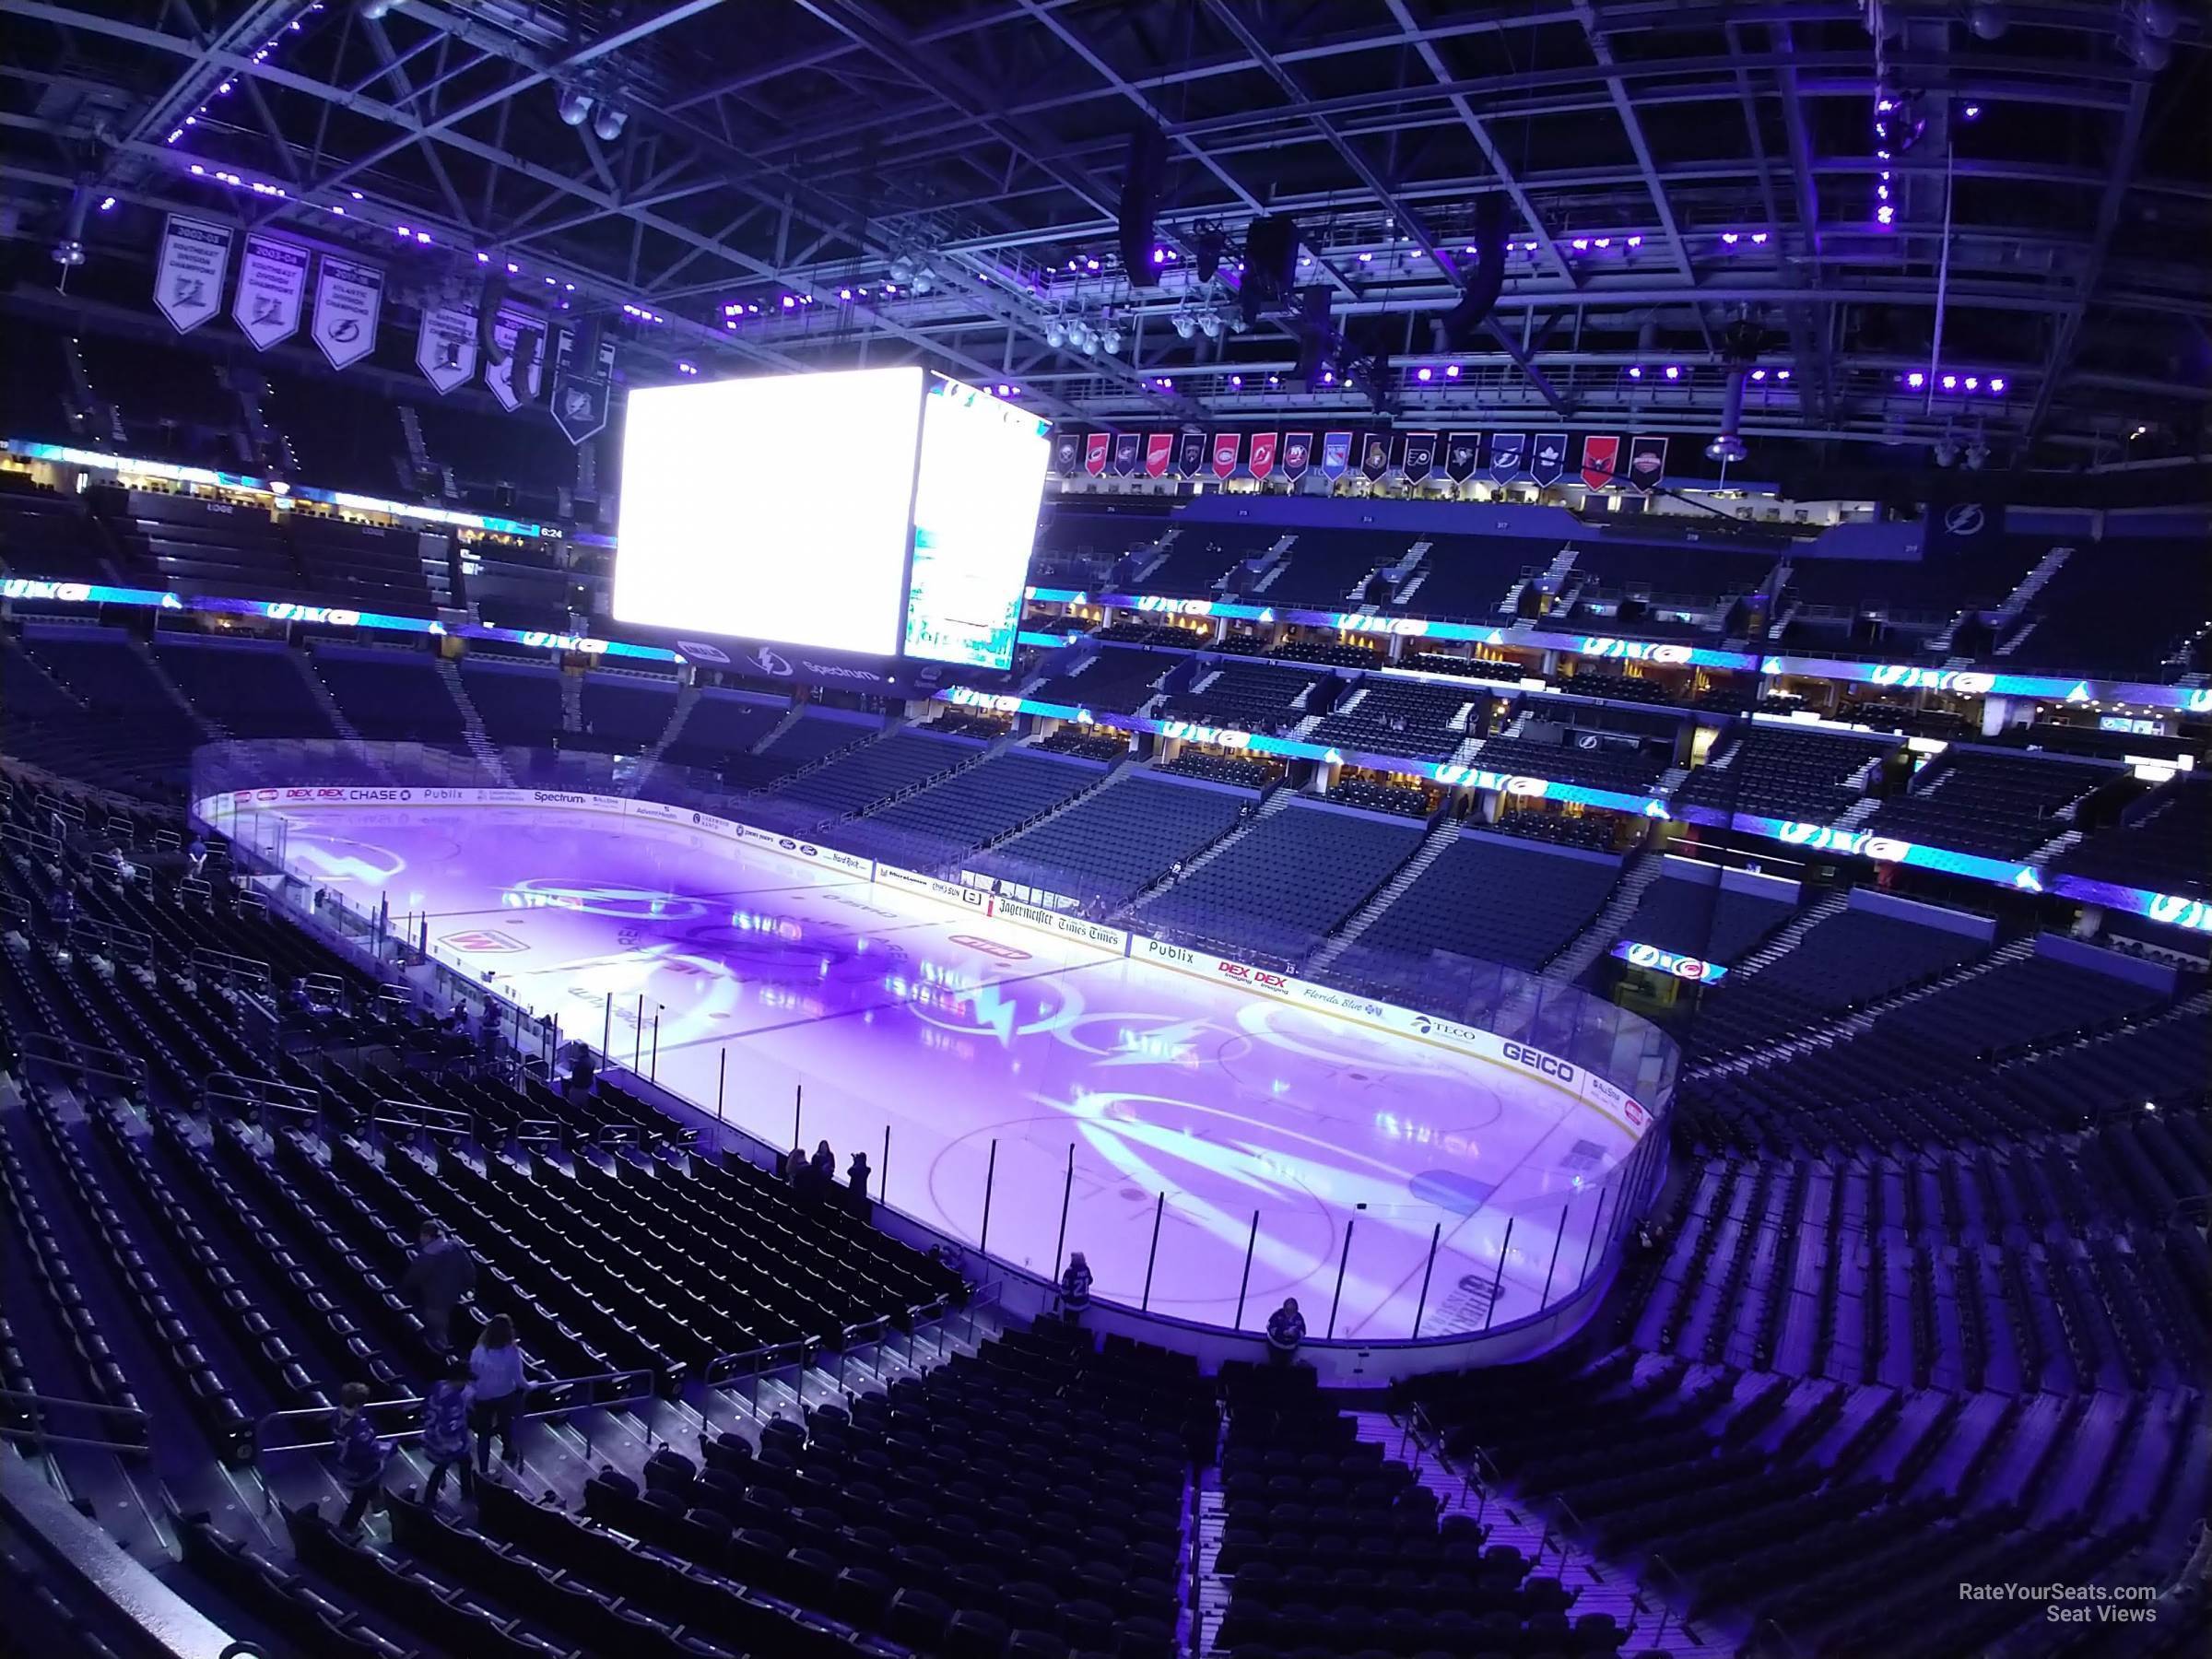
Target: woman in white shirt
495 1364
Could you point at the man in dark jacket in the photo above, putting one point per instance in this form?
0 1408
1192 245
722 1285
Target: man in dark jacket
441 1275
1285 1330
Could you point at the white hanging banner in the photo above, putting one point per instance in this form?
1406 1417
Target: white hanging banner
445 347
349 299
272 288
188 278
506 329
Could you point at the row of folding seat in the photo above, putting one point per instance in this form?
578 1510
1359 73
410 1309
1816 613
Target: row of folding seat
227 1426
314 1622
104 1377
279 1369
305 1299
562 1347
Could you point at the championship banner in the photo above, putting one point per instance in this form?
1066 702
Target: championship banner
188 277
1420 456
579 404
1506 450
1096 449
445 347
1647 462
1335 453
1547 464
507 329
1461 451
1125 451
1601 462
1227 447
1190 454
1297 452
348 299
1159 449
1262 461
1374 456
1067 448
272 290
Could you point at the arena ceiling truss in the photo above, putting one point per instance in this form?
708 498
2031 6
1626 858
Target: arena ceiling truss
1978 226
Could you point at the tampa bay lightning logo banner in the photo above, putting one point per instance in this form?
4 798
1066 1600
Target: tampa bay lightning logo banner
1190 454
1506 452
1335 453
1298 454
1126 451
1067 453
1420 455
1953 527
1548 461
1460 451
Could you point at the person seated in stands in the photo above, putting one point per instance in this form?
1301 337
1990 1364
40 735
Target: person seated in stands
1285 1330
581 1071
823 1170
1075 1289
856 1184
496 1363
361 1455
64 908
441 1275
445 1430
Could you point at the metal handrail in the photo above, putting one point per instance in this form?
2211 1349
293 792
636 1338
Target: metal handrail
414 1115
632 1386
38 1435
230 1089
230 963
66 1054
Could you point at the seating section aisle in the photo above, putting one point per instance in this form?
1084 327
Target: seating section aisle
1714 922
1840 963
1493 901
1383 717
1118 681
1251 695
1992 805
719 725
1327 570
1284 885
807 739
251 688
873 772
1467 578
970 809
520 703
2161 849
391 694
1112 845
1772 771
624 714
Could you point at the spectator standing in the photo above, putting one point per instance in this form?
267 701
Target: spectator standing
1075 1289
825 1170
195 857
361 1456
497 1366
445 1432
797 1170
1285 1330
856 1179
441 1275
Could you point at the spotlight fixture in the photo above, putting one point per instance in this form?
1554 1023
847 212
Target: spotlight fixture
1209 323
610 122
1110 338
1947 450
574 105
1977 454
375 11
1055 332
902 269
1185 324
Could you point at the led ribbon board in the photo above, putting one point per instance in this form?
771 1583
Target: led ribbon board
1695 970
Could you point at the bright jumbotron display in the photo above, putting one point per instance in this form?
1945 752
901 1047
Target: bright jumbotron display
786 509
771 507
975 522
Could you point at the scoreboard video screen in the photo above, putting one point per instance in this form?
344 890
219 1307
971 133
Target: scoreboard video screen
879 512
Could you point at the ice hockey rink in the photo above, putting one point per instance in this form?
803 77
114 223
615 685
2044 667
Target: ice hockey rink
776 979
